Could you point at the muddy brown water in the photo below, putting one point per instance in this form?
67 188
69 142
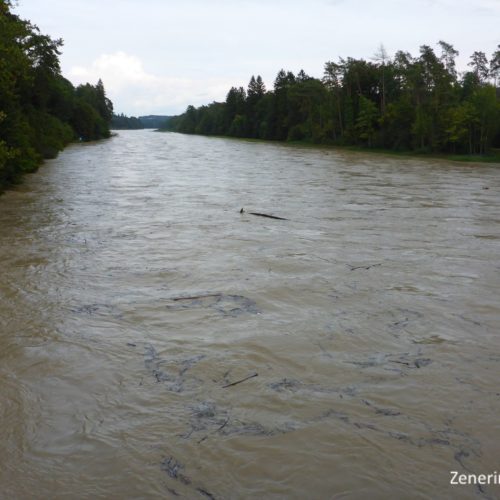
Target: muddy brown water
133 293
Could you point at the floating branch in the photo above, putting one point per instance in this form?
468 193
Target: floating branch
264 215
242 380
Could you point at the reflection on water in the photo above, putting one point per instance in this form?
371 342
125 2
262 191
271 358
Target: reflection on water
156 342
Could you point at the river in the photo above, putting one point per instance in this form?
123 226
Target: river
156 342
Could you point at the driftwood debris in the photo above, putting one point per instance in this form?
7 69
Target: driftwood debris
353 268
242 380
224 304
205 493
197 297
258 214
216 430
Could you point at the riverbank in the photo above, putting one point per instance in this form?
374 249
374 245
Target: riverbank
20 176
493 157
41 112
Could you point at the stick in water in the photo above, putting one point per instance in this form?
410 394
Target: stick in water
264 215
242 380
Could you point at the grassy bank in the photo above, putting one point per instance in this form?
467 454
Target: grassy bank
491 157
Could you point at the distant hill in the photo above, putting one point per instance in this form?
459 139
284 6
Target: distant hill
123 122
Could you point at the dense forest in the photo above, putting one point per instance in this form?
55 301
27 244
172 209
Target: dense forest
40 111
123 122
402 103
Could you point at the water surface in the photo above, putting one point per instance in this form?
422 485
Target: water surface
133 293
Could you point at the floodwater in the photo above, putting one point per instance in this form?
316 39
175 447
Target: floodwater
156 342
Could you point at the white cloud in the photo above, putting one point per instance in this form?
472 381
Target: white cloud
135 91
118 69
166 54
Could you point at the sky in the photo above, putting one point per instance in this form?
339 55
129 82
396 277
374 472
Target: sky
159 56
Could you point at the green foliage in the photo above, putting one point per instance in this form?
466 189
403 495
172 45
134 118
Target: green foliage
49 133
366 120
87 123
122 122
40 111
95 97
402 103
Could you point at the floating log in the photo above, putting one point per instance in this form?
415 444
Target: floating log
258 214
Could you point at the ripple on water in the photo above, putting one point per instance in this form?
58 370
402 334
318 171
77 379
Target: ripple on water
157 342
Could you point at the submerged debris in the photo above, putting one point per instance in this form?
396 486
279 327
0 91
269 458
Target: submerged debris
95 308
285 385
206 417
420 362
407 361
227 305
172 467
205 493
387 412
353 268
215 431
206 409
198 297
208 420
174 371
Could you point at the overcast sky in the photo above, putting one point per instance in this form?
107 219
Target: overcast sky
158 56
